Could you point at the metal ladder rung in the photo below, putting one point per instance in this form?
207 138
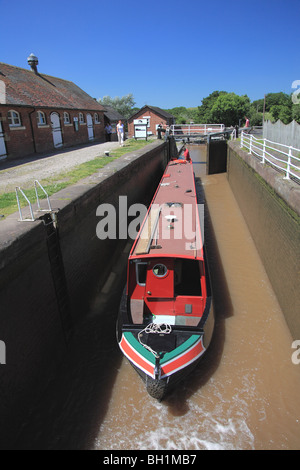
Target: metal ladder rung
37 197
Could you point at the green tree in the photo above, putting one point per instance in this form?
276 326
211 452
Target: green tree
277 99
258 105
204 111
230 108
285 114
255 117
123 105
275 111
184 115
179 113
282 113
296 113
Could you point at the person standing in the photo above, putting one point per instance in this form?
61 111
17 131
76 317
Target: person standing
108 131
186 155
167 131
120 132
159 129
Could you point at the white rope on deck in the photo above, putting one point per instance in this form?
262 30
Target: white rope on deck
160 328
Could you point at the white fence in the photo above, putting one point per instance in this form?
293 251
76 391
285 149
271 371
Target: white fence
287 134
192 129
283 158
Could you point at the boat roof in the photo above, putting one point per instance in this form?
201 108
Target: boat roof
172 226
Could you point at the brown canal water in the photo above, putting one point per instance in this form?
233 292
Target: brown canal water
243 395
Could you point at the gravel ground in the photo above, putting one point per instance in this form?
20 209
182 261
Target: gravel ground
23 172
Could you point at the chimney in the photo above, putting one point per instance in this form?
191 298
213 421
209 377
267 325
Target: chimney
33 62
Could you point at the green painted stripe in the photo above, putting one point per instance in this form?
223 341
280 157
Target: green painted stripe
138 347
168 356
181 349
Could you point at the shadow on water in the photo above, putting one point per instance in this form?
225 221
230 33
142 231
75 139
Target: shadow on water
177 401
71 412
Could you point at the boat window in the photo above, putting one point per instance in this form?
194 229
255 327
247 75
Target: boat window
141 273
187 277
160 270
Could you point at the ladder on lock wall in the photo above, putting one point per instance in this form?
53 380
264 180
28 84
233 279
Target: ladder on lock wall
49 220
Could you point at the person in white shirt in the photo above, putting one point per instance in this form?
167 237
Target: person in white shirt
120 132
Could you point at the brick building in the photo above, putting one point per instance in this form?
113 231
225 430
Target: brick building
154 115
39 113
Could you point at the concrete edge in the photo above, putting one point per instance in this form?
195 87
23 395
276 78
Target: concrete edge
287 190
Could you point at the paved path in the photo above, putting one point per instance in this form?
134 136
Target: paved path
23 172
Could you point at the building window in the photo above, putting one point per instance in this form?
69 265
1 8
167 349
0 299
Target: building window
41 118
148 120
67 118
14 119
81 118
96 118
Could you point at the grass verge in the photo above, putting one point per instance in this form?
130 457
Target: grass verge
8 201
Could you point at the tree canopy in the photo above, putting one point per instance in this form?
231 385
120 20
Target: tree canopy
123 105
221 107
229 109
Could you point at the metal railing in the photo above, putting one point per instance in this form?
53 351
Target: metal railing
192 129
32 218
283 158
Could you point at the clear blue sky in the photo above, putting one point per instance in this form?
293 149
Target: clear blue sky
166 54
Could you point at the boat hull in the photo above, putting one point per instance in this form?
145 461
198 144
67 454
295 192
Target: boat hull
166 318
162 374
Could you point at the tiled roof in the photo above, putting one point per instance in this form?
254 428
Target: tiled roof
113 115
24 87
160 111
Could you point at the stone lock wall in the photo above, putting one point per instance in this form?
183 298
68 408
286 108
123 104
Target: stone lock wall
49 277
271 208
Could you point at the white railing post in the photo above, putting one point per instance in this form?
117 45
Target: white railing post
19 205
242 139
250 146
264 152
289 164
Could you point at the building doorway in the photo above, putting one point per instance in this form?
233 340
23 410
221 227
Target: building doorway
89 123
56 130
3 153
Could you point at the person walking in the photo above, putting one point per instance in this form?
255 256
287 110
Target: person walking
120 132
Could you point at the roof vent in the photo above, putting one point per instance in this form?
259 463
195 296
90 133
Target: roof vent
33 62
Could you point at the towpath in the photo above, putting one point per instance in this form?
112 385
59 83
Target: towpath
24 171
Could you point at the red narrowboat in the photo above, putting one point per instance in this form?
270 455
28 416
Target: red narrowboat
166 318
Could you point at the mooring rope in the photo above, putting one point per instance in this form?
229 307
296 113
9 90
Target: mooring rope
162 328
